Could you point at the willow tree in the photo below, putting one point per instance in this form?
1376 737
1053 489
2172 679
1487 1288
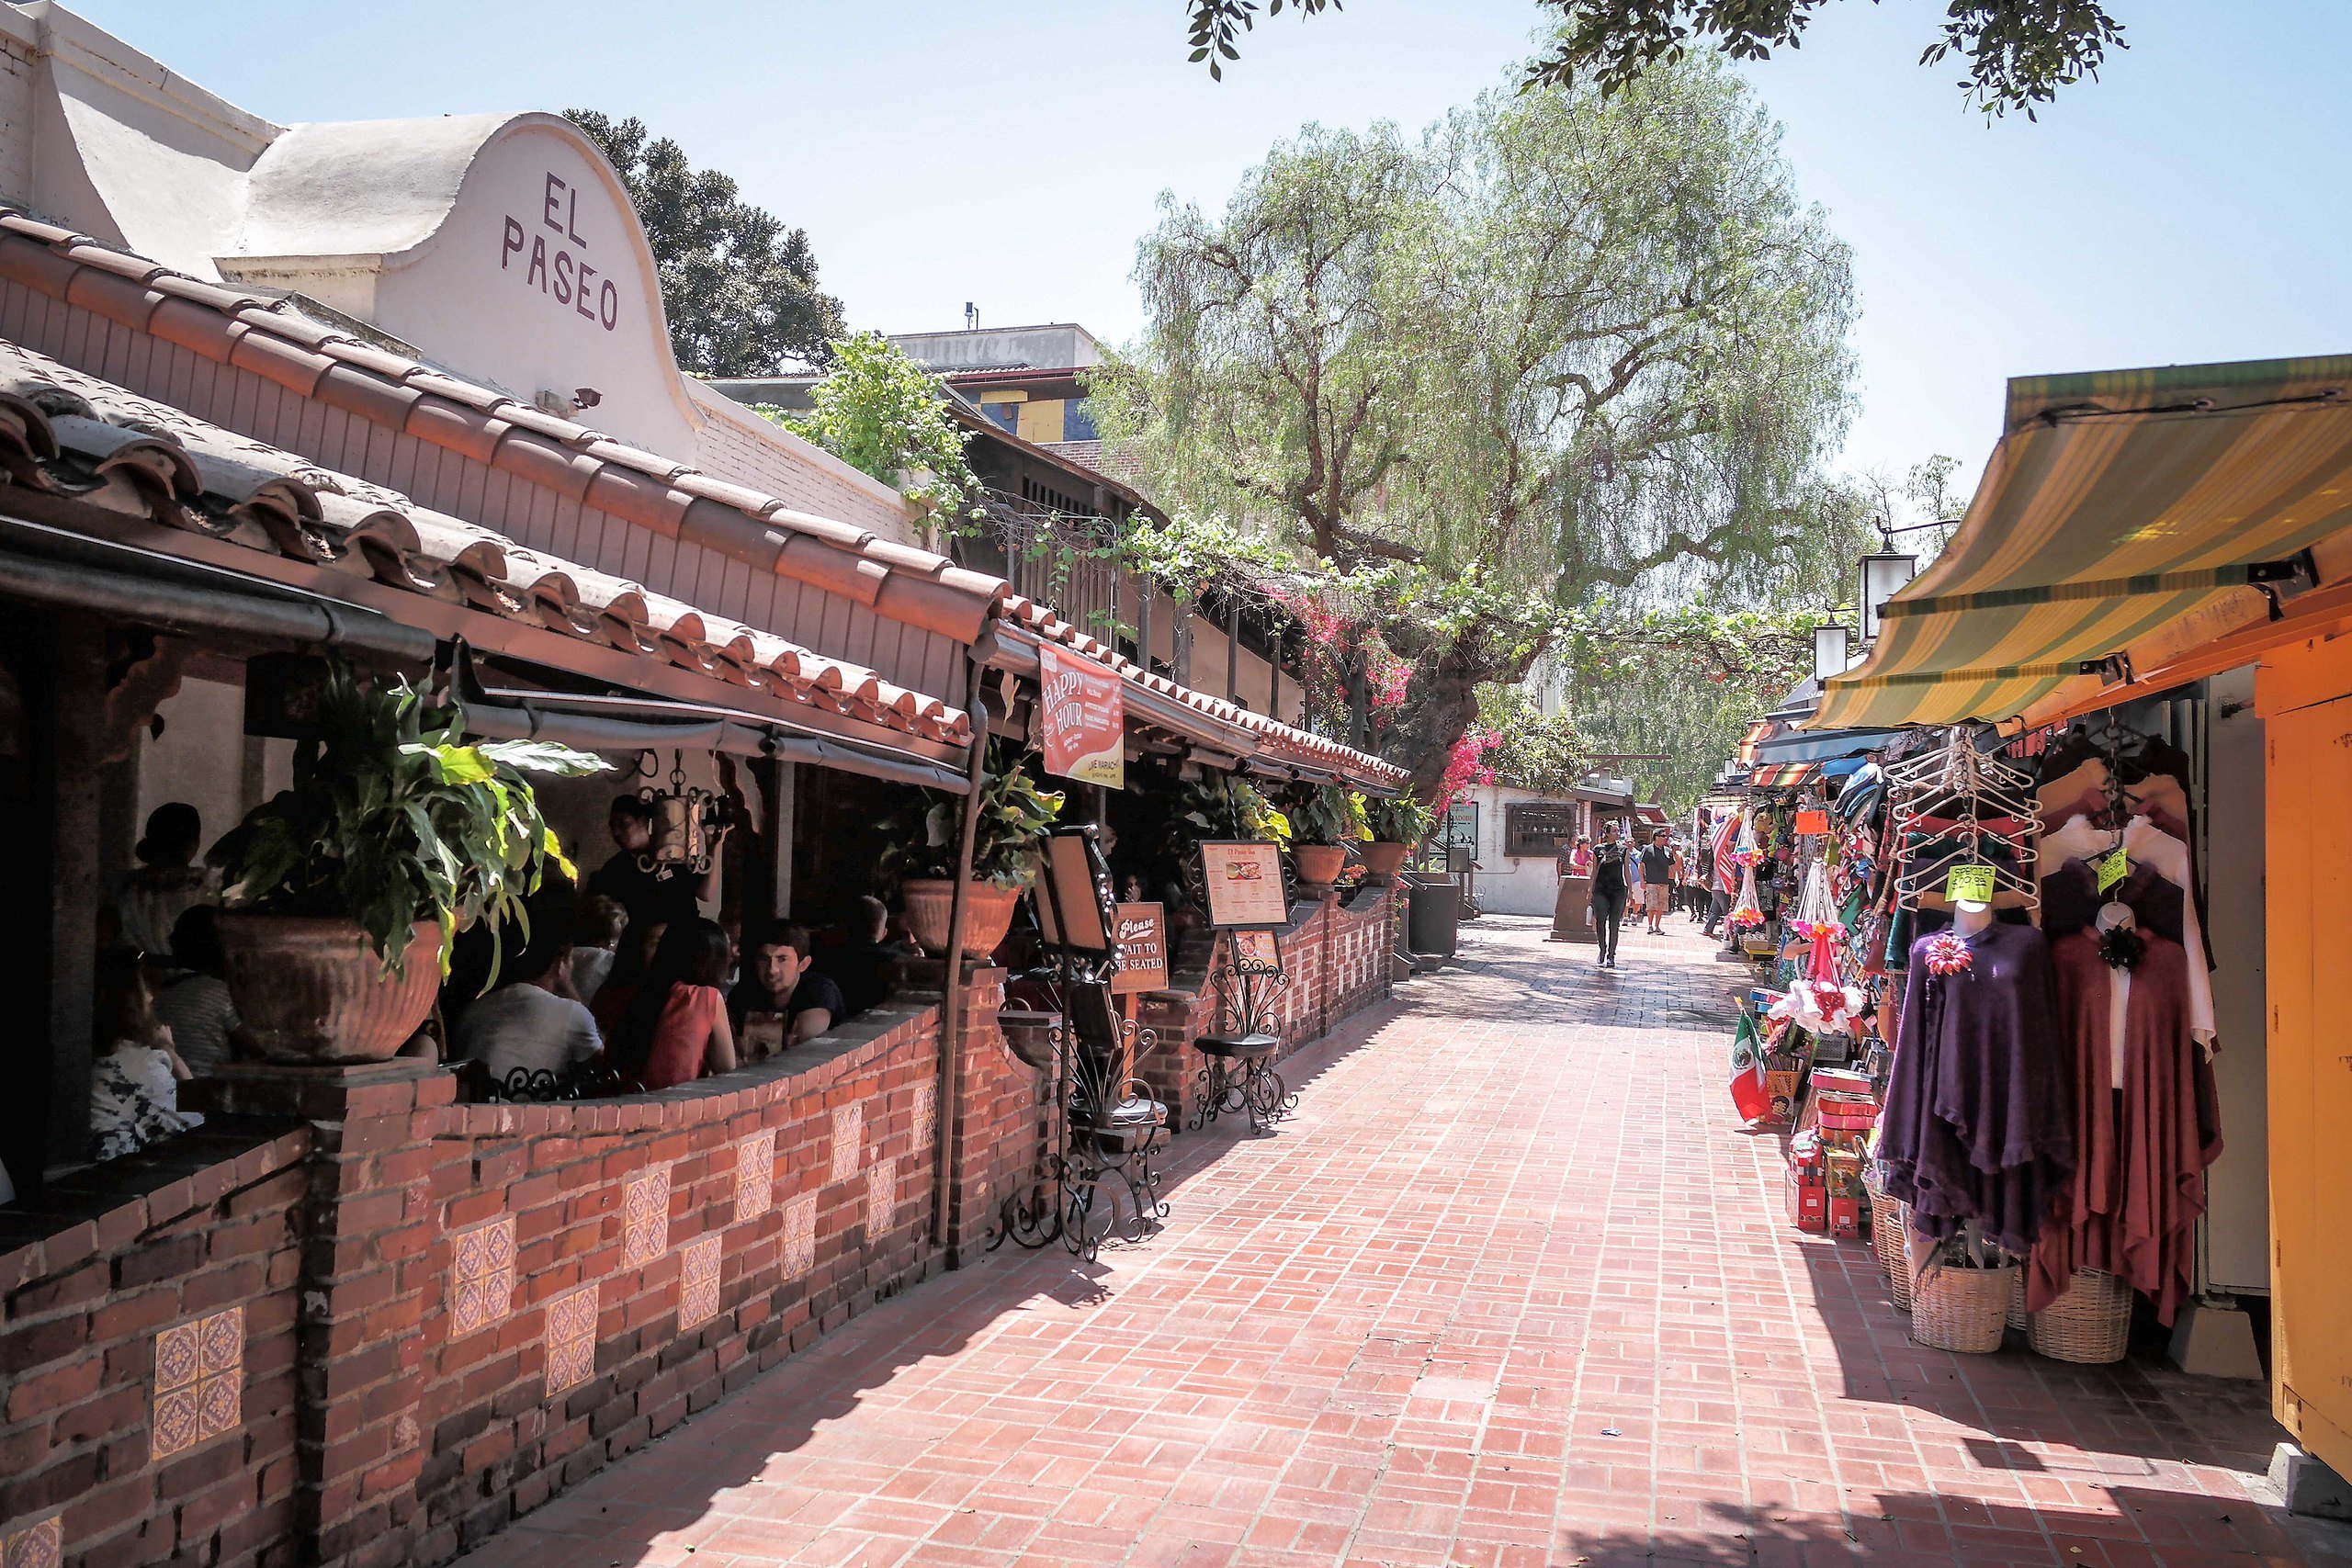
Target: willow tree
1563 351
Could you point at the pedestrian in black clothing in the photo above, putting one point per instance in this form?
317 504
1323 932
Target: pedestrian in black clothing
1610 886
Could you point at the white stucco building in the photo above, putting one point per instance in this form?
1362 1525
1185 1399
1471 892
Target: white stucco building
501 246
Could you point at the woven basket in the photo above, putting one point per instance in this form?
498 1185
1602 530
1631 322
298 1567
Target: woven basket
2016 1313
1959 1309
2090 1323
1892 1254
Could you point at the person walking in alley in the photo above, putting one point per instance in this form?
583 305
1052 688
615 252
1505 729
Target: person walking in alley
1660 868
1611 884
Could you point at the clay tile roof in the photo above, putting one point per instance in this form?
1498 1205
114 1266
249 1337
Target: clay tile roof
72 435
448 410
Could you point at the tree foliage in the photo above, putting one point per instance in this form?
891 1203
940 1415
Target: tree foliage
1566 353
739 288
884 414
2018 52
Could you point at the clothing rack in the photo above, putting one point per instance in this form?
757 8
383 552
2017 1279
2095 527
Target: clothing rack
1966 793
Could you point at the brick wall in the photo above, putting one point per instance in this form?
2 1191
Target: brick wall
147 1355
601 1271
353 1322
1336 953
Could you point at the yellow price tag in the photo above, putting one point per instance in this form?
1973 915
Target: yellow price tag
2111 869
1970 884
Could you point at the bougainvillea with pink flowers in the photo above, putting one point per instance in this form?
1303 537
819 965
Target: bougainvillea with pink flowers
1468 765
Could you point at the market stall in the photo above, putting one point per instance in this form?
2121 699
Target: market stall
2148 599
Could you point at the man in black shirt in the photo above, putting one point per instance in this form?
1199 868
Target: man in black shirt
650 897
1661 868
787 1001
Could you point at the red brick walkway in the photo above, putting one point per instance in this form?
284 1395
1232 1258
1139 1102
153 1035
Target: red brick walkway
1512 1288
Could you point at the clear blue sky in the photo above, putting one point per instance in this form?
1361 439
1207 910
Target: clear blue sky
2190 206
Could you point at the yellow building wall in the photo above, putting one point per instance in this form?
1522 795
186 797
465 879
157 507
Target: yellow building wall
2304 694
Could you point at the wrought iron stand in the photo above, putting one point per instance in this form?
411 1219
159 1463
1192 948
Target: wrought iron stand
1239 1075
1095 1179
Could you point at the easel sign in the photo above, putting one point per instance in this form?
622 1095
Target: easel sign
1141 932
1257 952
1243 880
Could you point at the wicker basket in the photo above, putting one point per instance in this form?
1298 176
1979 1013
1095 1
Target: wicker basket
1893 1255
2090 1323
1959 1309
2017 1313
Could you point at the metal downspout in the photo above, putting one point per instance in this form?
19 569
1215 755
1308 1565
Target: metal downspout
951 1013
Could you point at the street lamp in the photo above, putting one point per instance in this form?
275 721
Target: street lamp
1884 575
1831 654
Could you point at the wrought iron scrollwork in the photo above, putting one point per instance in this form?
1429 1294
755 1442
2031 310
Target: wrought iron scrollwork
1095 1179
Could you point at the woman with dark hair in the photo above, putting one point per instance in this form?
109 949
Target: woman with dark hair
674 1028
135 1076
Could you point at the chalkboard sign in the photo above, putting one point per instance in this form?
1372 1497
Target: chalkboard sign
1538 828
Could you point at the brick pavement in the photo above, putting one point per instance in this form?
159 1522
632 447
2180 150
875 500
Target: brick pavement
1510 1290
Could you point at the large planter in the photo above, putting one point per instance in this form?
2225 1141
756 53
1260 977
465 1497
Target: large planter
1318 864
988 914
313 991
1382 859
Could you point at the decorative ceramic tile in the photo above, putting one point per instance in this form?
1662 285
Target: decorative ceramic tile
849 1141
881 1198
645 1217
799 1235
698 1282
571 1339
755 1175
926 1115
199 1382
481 1262
41 1545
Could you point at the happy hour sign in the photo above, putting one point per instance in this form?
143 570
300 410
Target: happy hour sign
1084 714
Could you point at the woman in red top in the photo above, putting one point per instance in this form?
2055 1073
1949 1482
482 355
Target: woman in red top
676 1025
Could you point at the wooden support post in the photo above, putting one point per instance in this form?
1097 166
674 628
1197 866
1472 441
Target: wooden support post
1232 646
947 1102
1181 659
781 786
73 740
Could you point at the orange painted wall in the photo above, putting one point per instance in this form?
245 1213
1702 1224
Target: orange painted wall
2304 694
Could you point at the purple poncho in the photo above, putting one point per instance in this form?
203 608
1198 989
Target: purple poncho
1978 1123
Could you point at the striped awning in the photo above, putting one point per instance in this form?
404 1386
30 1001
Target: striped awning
2125 515
1783 776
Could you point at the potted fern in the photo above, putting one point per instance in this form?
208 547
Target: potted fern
1015 815
1395 827
1324 820
341 893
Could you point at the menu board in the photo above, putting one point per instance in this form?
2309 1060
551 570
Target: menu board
1244 881
1083 711
1141 932
1257 952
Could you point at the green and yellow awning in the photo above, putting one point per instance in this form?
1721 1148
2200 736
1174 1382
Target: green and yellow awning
2125 514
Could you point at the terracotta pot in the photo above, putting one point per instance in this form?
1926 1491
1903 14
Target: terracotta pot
314 991
988 914
1382 859
1318 864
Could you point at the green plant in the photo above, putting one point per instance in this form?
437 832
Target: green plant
881 413
1015 815
1225 806
394 818
1404 821
1326 814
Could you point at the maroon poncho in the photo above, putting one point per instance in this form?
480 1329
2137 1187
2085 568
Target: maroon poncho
1978 1123
2144 1148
